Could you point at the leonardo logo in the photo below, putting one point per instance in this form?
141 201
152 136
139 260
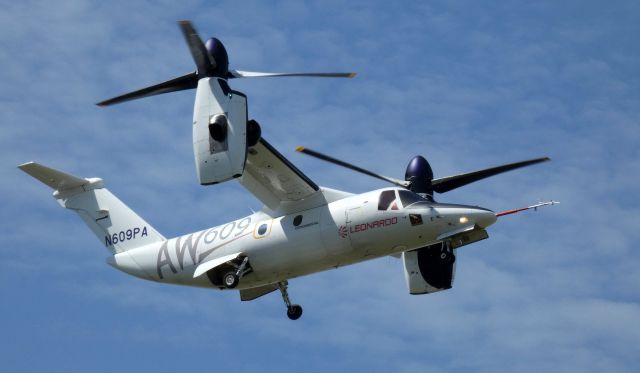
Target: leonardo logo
342 231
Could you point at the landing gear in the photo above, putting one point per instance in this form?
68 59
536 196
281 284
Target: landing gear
294 311
232 278
446 253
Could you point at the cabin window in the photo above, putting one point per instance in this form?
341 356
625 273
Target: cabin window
262 229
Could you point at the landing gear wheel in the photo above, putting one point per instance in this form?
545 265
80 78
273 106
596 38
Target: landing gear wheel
294 312
230 280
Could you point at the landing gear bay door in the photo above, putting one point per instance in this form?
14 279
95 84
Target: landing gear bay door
219 131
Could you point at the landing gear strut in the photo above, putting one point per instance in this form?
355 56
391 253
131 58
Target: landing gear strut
294 311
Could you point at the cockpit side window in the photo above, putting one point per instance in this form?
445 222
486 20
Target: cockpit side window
409 198
387 200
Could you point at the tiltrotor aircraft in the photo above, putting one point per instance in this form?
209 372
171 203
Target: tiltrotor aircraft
302 229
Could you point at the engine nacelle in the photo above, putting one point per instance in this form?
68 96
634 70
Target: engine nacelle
219 131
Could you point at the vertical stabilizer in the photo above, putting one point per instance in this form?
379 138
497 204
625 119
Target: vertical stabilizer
114 223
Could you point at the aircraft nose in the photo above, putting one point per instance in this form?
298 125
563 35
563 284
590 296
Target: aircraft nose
484 217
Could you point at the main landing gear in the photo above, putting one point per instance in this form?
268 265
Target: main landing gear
294 311
231 279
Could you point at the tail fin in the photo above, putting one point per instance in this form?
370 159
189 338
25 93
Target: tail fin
111 221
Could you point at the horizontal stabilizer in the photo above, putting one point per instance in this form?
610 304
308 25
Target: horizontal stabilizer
55 179
113 222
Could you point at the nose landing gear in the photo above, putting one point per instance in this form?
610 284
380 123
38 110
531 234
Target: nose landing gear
294 311
446 252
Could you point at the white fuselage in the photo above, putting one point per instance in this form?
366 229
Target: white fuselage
340 233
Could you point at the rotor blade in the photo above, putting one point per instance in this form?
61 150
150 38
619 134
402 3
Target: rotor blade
448 183
204 61
324 157
180 83
255 74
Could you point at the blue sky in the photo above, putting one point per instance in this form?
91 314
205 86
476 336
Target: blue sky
468 85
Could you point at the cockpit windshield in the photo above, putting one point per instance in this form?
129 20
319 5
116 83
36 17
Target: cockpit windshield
409 198
387 200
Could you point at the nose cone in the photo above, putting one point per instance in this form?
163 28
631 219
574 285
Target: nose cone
418 168
484 217
219 53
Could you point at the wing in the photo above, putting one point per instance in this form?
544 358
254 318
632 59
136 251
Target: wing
273 179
